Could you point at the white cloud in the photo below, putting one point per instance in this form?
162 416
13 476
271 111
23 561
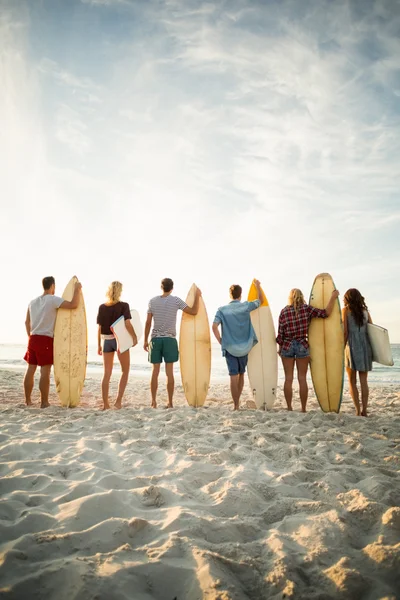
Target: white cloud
72 131
104 2
50 67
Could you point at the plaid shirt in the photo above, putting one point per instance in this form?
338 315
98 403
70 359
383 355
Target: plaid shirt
294 325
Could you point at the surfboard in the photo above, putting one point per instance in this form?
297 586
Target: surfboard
123 337
380 344
326 341
263 358
195 352
70 349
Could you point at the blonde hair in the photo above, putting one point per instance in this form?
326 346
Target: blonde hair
296 299
114 292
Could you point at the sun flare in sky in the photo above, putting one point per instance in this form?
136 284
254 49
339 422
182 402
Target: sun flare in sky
209 142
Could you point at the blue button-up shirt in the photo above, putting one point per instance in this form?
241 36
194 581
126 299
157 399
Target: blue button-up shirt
238 335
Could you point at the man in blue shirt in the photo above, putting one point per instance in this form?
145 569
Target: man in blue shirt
238 336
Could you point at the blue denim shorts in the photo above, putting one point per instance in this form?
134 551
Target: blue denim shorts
110 345
236 364
296 350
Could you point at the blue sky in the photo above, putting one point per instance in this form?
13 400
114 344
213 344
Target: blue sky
204 141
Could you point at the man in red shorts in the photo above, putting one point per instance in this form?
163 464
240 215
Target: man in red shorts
40 322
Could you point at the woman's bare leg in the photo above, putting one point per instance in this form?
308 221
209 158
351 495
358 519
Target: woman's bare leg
288 367
125 362
302 367
108 361
363 375
352 375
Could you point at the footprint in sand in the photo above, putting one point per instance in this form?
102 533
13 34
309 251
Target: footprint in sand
153 497
135 525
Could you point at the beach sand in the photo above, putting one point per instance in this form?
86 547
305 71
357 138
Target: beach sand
188 504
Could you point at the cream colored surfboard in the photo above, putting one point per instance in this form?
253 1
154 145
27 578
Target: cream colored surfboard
326 347
380 344
195 352
70 349
263 358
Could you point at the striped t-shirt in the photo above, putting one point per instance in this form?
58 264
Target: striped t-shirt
164 309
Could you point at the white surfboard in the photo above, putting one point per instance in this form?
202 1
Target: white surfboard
123 337
380 344
70 349
263 358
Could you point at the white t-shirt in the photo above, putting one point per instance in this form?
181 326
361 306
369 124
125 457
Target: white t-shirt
43 312
164 311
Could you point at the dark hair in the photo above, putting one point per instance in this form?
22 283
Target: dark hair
235 291
355 302
167 284
47 282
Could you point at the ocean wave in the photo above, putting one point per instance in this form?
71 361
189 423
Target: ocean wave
380 373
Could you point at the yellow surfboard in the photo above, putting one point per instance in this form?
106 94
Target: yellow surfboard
263 358
195 352
70 349
326 341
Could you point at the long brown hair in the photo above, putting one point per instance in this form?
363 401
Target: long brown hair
296 299
355 302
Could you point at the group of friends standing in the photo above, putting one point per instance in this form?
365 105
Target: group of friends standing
232 328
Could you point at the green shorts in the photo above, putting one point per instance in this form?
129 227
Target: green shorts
163 348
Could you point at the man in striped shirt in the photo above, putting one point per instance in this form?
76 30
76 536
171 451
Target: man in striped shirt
163 345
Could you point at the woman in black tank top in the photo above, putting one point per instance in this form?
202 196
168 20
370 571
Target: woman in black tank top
108 313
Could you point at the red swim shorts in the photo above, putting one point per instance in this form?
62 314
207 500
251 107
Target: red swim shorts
40 350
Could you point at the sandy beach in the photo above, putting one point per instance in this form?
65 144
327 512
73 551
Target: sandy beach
188 504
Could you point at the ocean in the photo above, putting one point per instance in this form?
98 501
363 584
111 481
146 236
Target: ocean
11 357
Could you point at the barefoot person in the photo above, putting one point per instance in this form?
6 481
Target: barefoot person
358 351
39 324
108 313
163 345
292 339
238 336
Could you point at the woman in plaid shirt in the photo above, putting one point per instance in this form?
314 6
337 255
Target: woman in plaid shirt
293 343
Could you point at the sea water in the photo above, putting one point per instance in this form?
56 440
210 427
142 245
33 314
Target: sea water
11 357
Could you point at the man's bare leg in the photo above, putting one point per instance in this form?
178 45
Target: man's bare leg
241 383
44 385
154 384
235 390
29 382
169 371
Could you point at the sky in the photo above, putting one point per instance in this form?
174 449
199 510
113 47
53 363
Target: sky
209 142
